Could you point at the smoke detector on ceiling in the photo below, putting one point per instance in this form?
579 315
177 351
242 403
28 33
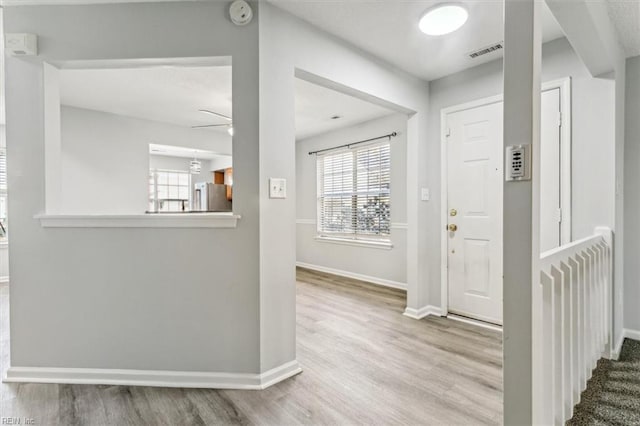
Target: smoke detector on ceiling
486 50
240 12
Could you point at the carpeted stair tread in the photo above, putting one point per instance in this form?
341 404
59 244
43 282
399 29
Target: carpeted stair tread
612 396
630 350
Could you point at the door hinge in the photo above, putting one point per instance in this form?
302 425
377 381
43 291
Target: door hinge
559 215
560 119
448 133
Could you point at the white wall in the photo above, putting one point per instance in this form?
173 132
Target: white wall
105 159
617 187
632 197
388 265
183 164
151 299
221 163
593 127
163 162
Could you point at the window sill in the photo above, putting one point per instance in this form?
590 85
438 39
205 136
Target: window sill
194 220
384 245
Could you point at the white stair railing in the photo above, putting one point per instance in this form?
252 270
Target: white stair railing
571 323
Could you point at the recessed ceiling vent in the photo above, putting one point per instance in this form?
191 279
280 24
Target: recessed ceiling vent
486 50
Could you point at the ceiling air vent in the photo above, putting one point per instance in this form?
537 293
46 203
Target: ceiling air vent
485 50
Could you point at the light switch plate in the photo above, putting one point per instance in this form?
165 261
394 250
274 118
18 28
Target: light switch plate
277 188
425 195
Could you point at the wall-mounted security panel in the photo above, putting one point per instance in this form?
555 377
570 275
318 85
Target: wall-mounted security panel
518 162
21 44
277 188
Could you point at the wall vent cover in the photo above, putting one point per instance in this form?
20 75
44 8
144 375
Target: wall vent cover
485 50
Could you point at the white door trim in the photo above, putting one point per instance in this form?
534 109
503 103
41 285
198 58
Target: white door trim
564 84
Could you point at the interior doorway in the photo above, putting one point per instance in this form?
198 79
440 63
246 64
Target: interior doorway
351 186
472 186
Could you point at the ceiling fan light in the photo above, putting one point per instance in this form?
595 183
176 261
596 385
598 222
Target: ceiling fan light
443 19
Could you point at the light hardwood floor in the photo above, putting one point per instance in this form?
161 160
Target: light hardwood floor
363 361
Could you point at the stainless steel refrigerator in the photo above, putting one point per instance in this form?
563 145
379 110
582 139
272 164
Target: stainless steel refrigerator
210 197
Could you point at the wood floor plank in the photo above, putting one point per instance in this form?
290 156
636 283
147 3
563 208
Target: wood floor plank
363 363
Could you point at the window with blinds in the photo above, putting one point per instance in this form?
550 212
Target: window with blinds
169 190
354 198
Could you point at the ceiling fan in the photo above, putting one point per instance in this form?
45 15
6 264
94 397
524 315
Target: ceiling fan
229 125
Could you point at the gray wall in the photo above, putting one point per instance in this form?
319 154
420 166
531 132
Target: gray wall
592 138
338 65
220 300
378 263
632 197
105 159
158 299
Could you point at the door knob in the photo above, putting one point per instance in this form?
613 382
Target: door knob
452 227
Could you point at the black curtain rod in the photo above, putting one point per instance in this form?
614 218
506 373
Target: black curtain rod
349 145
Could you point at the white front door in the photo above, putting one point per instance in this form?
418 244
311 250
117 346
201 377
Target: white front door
474 200
474 152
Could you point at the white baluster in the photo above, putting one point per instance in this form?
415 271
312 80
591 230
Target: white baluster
595 307
601 298
576 331
588 350
546 372
558 341
572 323
567 339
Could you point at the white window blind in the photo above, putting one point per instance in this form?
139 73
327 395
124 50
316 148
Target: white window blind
354 192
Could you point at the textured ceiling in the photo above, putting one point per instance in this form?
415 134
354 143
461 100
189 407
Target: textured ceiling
175 94
315 105
389 30
166 94
625 15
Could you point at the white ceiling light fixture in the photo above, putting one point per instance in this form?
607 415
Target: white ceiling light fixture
194 165
443 19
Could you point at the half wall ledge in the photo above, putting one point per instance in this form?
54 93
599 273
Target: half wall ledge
155 220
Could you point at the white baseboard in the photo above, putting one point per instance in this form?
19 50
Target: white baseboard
627 333
615 354
423 312
631 334
477 323
347 274
171 379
